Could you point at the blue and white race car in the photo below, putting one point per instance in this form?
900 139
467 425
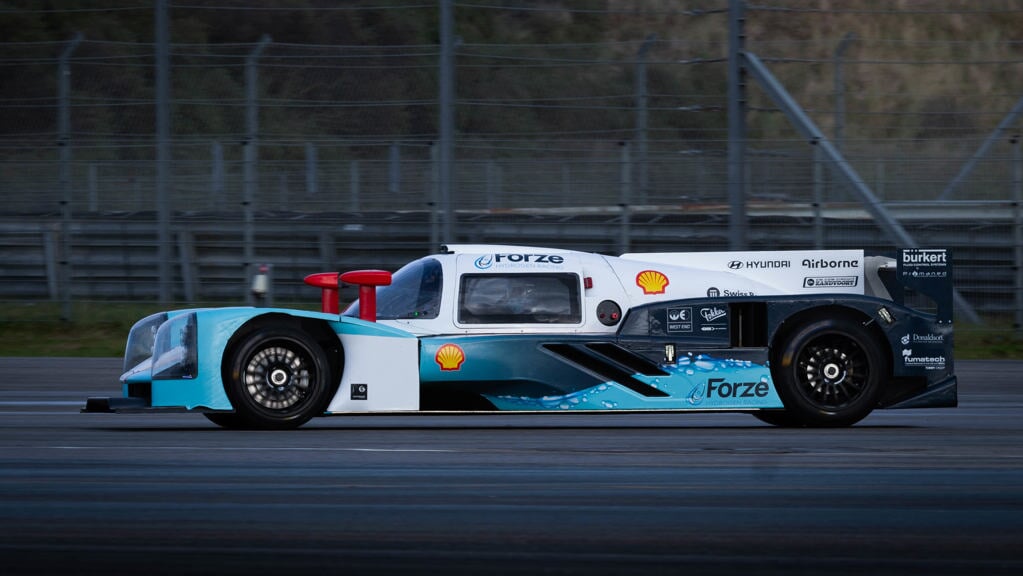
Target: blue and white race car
796 338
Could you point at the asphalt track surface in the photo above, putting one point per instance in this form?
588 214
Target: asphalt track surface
904 492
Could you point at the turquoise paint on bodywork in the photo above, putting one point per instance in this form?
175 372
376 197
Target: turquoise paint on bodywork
215 327
693 383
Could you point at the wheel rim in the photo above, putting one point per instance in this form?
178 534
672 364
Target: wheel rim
278 377
832 372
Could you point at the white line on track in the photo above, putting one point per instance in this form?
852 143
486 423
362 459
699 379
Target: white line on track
262 449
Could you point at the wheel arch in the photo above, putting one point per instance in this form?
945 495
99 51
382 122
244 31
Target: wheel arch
318 329
829 311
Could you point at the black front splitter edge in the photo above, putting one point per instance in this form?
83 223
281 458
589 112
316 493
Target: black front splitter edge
128 406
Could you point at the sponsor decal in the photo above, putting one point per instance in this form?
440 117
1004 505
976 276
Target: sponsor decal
680 319
518 260
924 263
830 281
450 357
360 391
712 314
758 264
828 263
936 362
714 292
922 339
652 282
714 319
721 388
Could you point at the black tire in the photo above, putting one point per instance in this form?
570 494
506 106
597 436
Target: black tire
277 378
828 373
228 420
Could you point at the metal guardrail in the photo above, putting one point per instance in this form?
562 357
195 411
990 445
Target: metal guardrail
115 256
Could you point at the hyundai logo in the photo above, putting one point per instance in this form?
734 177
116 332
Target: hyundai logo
735 264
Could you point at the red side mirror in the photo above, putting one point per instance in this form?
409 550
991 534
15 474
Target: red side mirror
328 283
367 281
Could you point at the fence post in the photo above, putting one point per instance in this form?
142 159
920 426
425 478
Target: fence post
840 88
643 180
1017 212
217 175
251 185
736 124
64 147
446 103
394 171
353 175
818 199
312 184
163 148
626 199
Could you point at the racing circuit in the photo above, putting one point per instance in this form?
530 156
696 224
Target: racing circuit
903 492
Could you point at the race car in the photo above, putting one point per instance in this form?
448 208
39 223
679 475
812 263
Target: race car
796 338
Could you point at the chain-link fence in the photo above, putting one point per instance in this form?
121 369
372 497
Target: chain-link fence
599 125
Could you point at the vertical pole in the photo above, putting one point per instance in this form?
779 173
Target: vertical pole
736 123
1017 200
163 149
312 183
433 200
353 179
643 180
217 175
251 184
446 98
394 171
64 147
93 187
818 198
493 185
626 199
840 88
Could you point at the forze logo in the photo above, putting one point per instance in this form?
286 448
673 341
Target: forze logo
488 260
652 282
484 262
449 357
717 387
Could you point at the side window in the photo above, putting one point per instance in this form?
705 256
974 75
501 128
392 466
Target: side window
519 299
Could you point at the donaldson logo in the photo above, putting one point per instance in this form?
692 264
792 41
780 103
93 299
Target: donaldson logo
484 262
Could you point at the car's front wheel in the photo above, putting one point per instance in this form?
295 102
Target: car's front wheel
277 378
828 372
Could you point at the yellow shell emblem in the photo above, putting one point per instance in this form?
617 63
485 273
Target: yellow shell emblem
450 357
651 281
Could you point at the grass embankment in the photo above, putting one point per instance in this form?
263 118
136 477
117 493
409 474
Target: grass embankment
99 329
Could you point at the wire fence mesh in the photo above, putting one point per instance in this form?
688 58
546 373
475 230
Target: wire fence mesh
598 125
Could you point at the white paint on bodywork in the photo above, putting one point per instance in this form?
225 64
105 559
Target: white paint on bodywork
387 367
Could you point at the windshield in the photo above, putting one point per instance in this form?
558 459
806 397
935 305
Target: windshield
414 292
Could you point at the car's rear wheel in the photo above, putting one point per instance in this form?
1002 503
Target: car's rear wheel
828 373
277 378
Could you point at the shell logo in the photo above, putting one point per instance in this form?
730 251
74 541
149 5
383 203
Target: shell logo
652 281
450 357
